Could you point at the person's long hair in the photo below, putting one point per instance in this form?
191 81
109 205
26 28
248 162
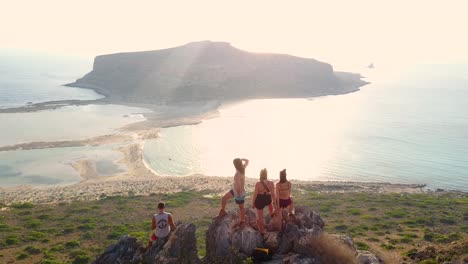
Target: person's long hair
263 174
238 165
283 176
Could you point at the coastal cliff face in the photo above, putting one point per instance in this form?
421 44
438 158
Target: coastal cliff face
202 71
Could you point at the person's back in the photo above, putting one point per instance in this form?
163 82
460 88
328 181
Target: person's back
284 190
162 224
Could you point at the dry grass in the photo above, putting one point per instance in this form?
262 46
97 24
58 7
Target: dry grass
330 250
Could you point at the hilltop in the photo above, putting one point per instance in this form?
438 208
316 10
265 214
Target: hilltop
206 70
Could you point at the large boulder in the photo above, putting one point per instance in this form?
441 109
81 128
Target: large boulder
180 247
127 250
227 242
366 257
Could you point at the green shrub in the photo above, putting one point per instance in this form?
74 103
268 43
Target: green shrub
68 230
12 240
117 232
428 261
82 259
57 248
354 211
448 221
77 252
32 250
22 205
341 227
22 255
50 261
361 246
35 236
4 227
406 240
396 213
72 244
429 236
87 226
387 246
34 223
88 236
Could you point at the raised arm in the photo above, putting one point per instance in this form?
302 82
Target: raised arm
246 162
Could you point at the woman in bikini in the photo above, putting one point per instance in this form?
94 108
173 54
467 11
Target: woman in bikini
264 194
238 191
283 193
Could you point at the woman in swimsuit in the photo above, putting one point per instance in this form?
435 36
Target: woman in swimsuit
283 193
238 191
264 194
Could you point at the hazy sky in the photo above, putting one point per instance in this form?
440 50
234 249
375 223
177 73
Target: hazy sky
340 32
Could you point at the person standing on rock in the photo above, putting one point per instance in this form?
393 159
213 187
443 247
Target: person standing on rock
162 224
283 193
238 191
264 194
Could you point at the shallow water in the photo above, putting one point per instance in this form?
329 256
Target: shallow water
53 166
412 128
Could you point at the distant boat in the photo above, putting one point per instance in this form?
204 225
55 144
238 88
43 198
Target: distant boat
371 66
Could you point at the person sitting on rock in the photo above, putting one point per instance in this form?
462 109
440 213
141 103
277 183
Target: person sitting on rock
264 194
162 224
283 193
238 191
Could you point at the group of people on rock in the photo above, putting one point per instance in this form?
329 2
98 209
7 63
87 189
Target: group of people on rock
265 194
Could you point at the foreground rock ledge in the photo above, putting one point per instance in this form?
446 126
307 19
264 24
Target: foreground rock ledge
301 241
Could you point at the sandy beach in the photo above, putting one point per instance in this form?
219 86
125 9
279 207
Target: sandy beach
139 179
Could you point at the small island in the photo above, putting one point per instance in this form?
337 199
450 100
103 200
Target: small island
212 71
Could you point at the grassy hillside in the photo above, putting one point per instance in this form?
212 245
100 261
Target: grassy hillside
391 225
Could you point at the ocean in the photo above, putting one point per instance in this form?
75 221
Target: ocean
406 127
410 126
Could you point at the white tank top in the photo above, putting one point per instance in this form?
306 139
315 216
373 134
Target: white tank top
162 225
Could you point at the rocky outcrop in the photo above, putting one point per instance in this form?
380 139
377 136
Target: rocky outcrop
296 240
179 248
227 243
205 71
301 240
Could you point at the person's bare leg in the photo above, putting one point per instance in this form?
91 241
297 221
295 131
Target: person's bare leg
224 200
242 213
260 222
270 208
291 208
150 243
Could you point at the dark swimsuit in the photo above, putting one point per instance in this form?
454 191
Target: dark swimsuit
262 200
